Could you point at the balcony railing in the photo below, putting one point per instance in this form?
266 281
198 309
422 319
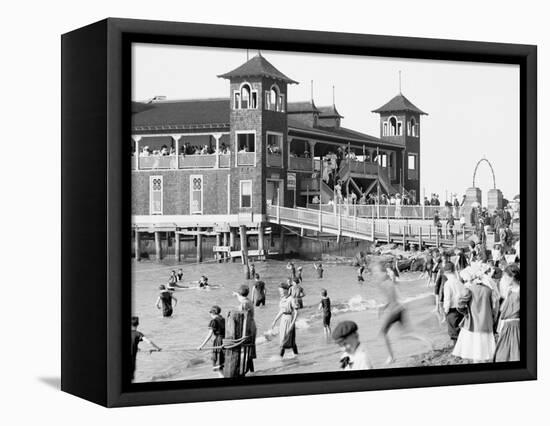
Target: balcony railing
225 160
197 161
300 163
392 211
168 162
246 158
362 167
157 162
274 160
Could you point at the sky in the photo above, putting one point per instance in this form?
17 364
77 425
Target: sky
473 107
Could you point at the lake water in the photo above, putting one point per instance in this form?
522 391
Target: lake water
180 334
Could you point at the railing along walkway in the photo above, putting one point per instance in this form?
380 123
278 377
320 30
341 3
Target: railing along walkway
389 230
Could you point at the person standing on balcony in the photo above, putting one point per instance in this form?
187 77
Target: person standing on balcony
398 203
451 224
437 223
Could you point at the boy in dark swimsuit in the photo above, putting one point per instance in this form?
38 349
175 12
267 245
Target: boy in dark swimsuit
180 274
138 336
258 292
165 299
319 268
360 278
327 313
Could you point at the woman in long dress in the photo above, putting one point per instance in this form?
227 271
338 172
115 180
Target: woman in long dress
476 341
245 305
507 348
287 327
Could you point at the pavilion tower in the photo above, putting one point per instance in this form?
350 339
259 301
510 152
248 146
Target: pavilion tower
400 124
258 125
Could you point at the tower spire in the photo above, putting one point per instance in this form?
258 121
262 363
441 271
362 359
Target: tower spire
311 89
333 96
399 81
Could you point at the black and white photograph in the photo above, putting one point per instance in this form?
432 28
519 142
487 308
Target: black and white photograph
296 213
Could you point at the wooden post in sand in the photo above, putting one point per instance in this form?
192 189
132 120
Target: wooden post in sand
137 248
158 247
404 238
261 242
282 238
232 242
218 243
177 246
225 242
233 331
199 245
244 251
420 238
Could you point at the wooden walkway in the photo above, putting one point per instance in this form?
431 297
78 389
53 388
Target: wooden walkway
384 230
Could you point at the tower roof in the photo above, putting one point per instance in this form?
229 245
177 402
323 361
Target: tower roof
258 66
399 103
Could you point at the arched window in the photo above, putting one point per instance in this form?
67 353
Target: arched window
393 126
413 127
274 98
245 96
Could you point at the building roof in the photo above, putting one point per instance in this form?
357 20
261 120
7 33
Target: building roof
329 112
399 103
341 133
302 107
181 113
258 66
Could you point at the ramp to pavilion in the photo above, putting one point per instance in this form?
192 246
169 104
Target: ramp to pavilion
368 229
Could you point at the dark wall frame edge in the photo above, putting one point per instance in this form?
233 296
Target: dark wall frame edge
108 387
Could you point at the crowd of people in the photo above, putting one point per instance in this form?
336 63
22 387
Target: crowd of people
184 149
476 294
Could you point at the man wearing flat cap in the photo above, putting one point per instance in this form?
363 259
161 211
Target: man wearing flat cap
355 356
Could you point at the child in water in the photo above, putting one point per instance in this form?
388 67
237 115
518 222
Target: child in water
360 271
327 314
216 329
299 274
203 282
180 274
164 300
252 270
319 268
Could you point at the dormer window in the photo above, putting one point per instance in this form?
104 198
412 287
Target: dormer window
246 98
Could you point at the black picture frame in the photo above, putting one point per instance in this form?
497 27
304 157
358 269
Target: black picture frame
96 214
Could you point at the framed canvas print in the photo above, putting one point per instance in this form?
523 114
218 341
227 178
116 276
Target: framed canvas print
253 212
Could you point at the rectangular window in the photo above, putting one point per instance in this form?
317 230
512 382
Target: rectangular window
399 128
246 193
254 100
384 162
274 143
385 132
237 100
155 194
281 104
412 161
246 142
195 194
